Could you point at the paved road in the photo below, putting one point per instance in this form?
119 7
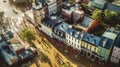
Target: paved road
71 57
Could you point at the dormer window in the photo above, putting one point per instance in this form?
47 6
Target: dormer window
104 42
94 42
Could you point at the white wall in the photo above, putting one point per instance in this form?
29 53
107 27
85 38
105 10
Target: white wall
46 30
71 41
115 55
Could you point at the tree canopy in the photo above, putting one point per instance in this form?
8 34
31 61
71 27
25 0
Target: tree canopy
107 16
27 35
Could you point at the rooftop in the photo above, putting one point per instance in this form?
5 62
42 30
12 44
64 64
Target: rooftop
112 32
76 34
106 42
90 38
117 42
98 3
48 22
62 26
70 9
86 22
113 7
8 55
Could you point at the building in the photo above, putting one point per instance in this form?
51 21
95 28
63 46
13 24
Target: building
16 45
59 5
38 12
115 57
89 46
97 4
106 43
113 7
7 53
59 31
78 15
47 26
67 12
73 38
87 24
52 7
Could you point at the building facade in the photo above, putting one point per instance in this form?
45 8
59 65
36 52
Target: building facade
89 46
115 57
106 43
59 31
73 38
38 12
52 6
47 26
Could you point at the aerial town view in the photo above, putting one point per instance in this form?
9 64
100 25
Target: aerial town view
59 33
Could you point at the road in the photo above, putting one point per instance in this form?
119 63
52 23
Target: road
49 56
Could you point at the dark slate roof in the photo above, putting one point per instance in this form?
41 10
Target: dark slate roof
106 42
90 38
76 34
112 7
117 42
48 22
62 26
43 2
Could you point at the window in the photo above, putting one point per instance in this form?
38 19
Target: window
78 46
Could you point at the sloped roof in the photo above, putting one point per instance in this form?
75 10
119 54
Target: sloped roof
90 38
76 34
112 32
48 22
117 42
98 3
113 7
43 2
62 26
106 42
86 22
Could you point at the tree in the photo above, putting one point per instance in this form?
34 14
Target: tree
98 15
110 17
86 8
27 35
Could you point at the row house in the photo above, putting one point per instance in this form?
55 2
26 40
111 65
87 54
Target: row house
106 43
74 37
52 6
47 26
59 31
115 57
89 46
38 12
87 24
